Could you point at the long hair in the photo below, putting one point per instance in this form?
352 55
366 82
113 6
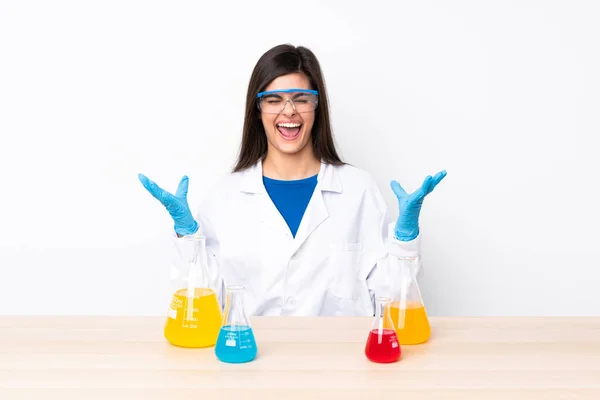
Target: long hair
281 60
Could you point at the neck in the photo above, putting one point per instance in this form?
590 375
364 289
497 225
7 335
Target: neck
291 166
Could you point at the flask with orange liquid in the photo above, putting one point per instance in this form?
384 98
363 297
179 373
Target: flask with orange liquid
407 308
194 316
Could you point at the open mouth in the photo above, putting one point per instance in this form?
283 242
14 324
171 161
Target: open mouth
289 130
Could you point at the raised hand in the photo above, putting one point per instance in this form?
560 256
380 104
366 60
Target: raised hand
176 205
407 225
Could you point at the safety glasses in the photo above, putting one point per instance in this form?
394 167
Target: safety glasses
275 101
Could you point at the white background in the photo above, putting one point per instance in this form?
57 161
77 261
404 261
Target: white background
503 95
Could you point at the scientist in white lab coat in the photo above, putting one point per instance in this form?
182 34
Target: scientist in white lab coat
304 232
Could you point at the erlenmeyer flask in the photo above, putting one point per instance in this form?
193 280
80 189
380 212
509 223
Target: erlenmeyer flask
382 344
236 342
407 309
194 317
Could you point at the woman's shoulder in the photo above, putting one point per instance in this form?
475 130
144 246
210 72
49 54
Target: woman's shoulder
348 175
358 186
229 186
226 184
355 177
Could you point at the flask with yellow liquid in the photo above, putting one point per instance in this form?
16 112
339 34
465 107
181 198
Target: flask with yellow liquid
407 308
194 316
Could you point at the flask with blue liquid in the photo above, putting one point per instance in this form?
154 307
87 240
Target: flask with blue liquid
235 343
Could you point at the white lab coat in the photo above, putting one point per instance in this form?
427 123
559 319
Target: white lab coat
335 265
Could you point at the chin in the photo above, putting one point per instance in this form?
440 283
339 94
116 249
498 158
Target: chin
290 146
290 149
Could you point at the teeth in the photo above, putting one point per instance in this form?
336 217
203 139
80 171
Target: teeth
289 125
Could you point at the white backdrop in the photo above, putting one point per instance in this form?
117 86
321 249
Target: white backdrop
503 95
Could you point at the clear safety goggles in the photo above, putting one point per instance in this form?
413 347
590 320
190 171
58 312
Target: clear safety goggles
275 101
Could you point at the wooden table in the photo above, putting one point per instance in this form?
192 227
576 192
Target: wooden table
306 358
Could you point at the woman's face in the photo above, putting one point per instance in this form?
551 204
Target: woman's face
289 132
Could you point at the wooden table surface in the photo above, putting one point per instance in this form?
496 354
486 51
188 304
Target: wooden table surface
299 357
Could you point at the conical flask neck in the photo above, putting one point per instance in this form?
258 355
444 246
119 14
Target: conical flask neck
235 314
193 254
382 315
409 266
236 301
407 286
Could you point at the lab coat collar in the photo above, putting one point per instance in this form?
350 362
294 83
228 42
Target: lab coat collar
328 179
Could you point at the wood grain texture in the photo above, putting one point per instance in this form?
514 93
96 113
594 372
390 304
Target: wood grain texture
89 357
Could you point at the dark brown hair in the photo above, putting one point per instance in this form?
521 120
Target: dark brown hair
281 60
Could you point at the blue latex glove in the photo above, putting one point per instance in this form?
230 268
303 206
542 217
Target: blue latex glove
176 205
407 225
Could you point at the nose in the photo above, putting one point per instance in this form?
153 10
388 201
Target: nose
288 111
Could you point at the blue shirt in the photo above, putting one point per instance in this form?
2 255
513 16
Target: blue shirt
291 198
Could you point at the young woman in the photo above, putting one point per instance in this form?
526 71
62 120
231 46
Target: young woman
304 232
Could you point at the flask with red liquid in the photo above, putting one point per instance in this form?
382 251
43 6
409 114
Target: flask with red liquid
382 344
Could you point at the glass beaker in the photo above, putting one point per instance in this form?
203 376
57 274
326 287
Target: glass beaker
194 316
407 308
236 343
382 344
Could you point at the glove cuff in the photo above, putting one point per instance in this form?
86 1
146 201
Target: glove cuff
406 235
185 230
